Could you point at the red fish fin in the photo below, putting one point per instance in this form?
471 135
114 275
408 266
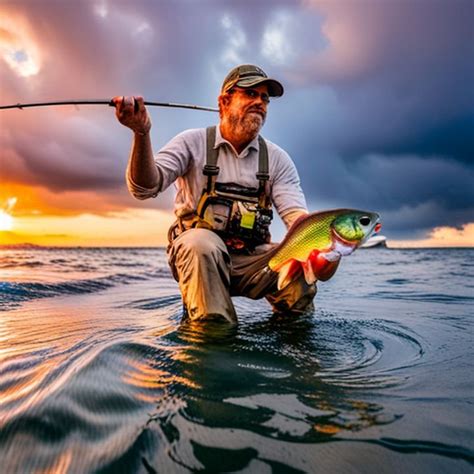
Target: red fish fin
288 272
324 264
308 270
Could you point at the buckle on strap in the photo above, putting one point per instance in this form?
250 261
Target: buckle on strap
263 176
210 170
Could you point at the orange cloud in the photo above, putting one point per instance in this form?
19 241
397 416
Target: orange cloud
38 200
32 200
83 218
137 228
442 237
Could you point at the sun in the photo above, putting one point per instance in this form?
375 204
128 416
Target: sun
6 221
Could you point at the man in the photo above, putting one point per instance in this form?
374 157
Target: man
227 179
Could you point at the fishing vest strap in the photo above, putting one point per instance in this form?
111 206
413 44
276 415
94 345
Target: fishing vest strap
262 174
211 170
240 215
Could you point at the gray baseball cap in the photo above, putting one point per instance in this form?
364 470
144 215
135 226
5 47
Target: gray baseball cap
248 75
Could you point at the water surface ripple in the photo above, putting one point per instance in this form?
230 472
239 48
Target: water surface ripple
98 374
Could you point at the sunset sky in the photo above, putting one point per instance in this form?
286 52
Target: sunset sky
378 111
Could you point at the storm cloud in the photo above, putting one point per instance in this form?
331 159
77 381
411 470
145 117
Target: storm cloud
378 110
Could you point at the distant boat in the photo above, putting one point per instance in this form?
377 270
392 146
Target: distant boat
375 241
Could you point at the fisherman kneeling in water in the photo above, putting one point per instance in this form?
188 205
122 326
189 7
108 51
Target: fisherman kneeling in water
227 178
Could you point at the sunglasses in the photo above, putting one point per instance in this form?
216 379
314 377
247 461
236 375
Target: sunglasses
252 94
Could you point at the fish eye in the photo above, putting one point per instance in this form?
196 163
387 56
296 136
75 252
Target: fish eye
364 220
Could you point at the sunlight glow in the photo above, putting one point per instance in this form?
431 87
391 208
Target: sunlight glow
6 221
21 62
18 48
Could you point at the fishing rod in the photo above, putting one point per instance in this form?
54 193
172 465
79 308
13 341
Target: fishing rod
105 102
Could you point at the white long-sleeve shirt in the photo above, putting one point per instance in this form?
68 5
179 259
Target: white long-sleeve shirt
181 161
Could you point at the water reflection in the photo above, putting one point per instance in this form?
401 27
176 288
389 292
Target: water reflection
257 382
215 397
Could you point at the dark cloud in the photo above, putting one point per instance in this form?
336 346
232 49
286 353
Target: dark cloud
399 72
412 193
390 180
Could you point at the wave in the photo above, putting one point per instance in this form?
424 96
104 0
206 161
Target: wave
13 263
424 297
14 293
423 447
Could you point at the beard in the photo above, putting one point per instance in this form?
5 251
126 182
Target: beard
245 127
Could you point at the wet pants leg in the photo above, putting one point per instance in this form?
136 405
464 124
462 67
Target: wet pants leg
208 276
295 298
251 277
201 265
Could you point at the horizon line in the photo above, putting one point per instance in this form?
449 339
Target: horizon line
31 246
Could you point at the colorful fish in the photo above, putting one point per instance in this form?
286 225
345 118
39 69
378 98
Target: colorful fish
314 242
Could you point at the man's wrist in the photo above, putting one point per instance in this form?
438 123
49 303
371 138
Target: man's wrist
142 129
143 133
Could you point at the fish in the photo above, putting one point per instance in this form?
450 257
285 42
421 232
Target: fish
315 242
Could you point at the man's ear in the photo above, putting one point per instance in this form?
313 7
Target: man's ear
224 100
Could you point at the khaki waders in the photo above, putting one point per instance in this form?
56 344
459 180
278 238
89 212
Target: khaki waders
208 275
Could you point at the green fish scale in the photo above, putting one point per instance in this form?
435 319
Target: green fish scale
312 234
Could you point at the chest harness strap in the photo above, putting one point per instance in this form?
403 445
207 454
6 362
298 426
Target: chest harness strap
249 209
211 170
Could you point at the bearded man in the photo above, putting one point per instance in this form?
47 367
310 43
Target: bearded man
228 178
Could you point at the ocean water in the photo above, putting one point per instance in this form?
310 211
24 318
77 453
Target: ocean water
98 374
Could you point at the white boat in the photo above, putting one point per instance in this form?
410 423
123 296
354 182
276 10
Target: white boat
375 241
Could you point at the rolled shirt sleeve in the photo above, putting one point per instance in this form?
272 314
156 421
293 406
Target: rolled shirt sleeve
171 162
139 192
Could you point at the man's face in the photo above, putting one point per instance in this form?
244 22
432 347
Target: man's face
247 108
